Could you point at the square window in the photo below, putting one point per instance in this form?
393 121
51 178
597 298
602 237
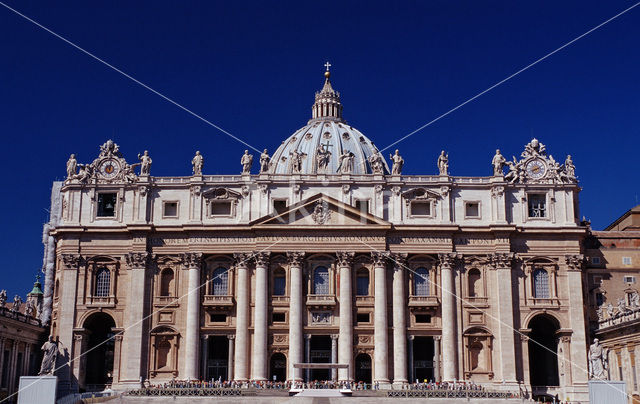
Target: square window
107 204
218 318
472 210
420 208
629 279
362 317
220 208
362 205
170 209
595 260
423 318
279 206
277 317
537 205
626 260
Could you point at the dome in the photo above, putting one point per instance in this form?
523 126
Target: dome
327 144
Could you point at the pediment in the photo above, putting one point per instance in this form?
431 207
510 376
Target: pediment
321 211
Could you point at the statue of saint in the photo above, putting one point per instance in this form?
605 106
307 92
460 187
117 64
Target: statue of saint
30 309
610 310
398 162
264 161
246 160
72 166
569 168
295 161
145 163
635 300
323 156
345 165
498 162
3 298
197 162
17 301
443 163
377 164
50 354
597 361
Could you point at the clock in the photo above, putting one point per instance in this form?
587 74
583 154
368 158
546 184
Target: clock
109 169
536 169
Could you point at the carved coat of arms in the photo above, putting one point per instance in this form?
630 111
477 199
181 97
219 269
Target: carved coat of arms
321 213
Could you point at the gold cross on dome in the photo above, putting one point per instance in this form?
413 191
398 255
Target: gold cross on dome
327 65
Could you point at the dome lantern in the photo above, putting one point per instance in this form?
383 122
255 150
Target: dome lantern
327 105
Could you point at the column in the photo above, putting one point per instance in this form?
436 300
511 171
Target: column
242 317
259 357
134 338
232 340
449 343
26 371
380 339
345 340
436 358
2 344
295 314
67 314
117 356
399 320
334 356
192 261
79 365
578 346
506 338
411 375
204 356
307 355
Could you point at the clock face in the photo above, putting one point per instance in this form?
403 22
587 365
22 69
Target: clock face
109 169
536 169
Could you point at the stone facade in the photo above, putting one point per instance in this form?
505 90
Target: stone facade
324 256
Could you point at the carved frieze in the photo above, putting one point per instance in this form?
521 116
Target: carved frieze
321 318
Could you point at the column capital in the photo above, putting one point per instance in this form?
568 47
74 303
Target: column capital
262 258
437 337
242 259
71 261
231 336
137 259
502 260
192 260
449 260
307 336
295 258
575 262
410 337
334 337
345 258
379 258
399 260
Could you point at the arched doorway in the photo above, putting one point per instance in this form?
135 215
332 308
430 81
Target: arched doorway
363 368
543 348
99 350
278 367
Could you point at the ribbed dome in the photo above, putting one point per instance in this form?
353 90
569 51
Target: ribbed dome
305 152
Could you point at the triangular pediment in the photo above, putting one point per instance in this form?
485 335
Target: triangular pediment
321 211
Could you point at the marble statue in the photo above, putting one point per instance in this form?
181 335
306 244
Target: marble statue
597 361
50 354
145 162
17 301
30 309
443 163
554 169
534 148
3 298
197 162
246 160
345 165
498 162
622 307
323 156
264 161
296 162
85 172
398 162
377 164
569 168
610 310
72 166
635 300
600 313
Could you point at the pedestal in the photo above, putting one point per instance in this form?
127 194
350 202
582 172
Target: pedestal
37 390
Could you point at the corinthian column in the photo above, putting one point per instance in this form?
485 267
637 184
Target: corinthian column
192 261
502 264
449 343
242 317
399 320
381 340
137 263
259 357
295 314
345 339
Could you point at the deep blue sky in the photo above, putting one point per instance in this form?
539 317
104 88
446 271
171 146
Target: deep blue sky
253 67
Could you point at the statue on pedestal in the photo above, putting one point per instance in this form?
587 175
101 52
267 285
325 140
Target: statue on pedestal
72 166
377 164
346 162
197 162
50 354
323 155
443 163
3 298
17 301
569 168
498 162
264 161
597 361
295 161
30 309
398 162
145 163
246 160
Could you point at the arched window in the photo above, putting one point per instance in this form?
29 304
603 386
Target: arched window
279 283
541 284
220 282
103 282
166 282
475 283
362 283
421 282
321 281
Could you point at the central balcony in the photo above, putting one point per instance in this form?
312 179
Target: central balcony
423 301
218 300
321 300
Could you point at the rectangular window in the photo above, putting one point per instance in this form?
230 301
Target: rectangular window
362 286
277 317
626 260
537 205
597 280
420 208
220 208
107 204
595 260
279 284
599 299
362 317
170 209
218 318
629 279
279 206
423 318
362 205
472 210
